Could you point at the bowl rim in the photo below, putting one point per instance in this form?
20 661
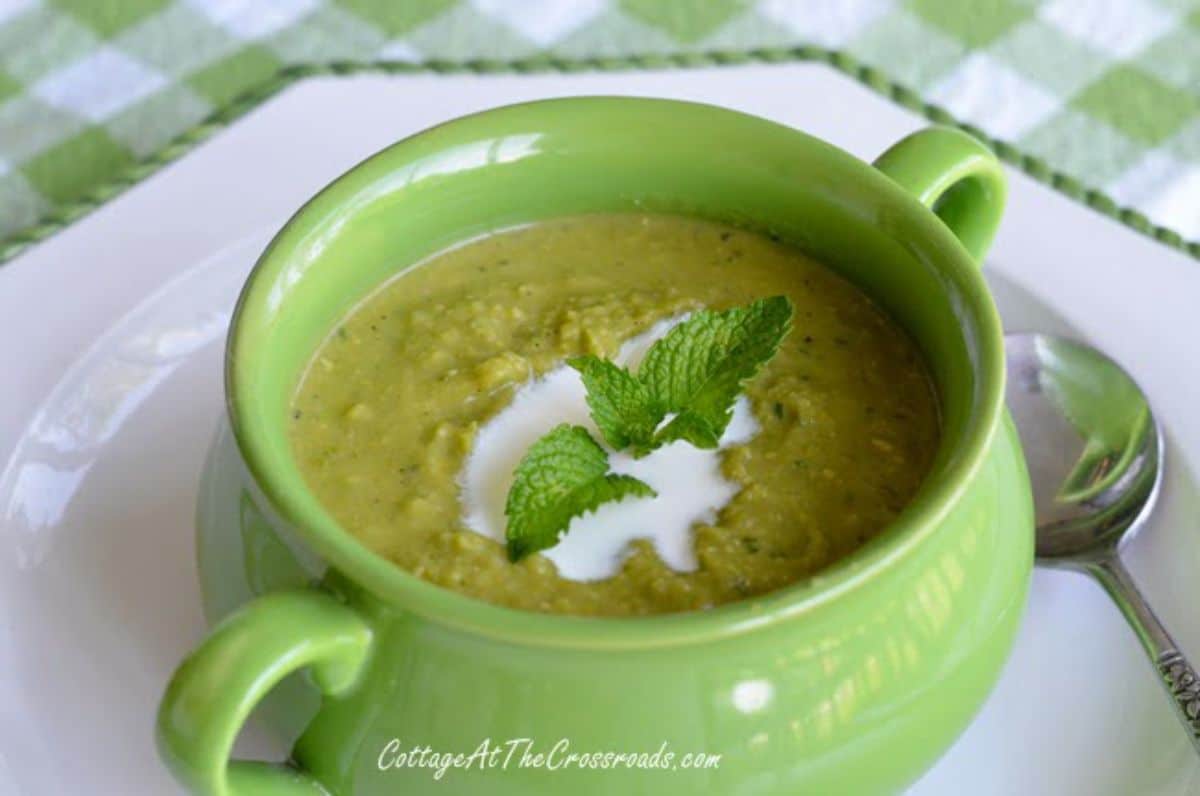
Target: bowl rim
362 569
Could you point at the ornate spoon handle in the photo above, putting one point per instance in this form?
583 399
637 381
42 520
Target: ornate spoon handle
1183 684
1178 676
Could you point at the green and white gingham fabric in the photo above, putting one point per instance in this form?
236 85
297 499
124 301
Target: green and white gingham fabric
1104 93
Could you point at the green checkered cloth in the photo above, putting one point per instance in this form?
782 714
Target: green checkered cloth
1099 97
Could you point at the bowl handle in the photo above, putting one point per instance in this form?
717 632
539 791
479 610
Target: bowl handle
219 683
956 177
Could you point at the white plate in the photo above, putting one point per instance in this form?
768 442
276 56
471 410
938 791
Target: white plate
98 596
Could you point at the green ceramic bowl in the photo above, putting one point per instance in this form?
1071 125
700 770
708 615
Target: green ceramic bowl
852 682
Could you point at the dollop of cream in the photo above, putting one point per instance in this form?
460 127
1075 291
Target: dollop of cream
688 480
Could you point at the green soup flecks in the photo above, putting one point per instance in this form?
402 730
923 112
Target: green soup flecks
385 415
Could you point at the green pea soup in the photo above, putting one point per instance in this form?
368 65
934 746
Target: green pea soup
385 415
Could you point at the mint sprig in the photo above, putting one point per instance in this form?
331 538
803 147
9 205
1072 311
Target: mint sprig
684 389
692 375
562 476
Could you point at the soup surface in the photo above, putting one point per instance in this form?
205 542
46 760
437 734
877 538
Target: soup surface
385 416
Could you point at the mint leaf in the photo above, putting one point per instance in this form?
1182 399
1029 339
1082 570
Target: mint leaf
621 405
694 428
562 476
697 370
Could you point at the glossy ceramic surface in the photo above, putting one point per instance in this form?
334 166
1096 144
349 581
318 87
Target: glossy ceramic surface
854 682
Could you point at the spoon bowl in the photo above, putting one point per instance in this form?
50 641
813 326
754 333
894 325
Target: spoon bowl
1092 445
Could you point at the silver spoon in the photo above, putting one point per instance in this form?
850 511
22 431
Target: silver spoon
1094 452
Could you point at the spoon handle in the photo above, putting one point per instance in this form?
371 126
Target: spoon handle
1178 677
